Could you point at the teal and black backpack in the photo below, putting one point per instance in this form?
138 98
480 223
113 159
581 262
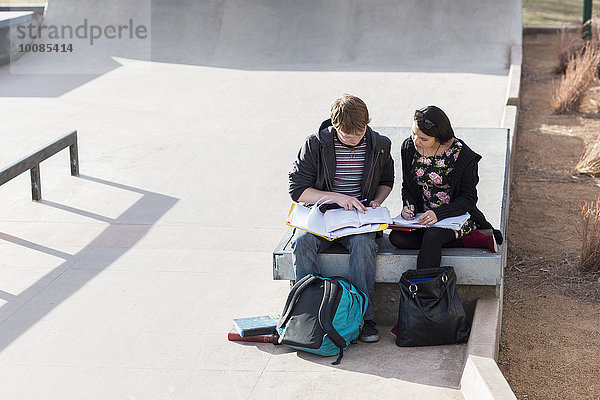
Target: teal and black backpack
322 316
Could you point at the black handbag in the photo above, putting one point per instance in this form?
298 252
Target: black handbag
430 310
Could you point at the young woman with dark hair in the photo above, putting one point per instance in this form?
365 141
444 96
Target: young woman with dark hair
439 179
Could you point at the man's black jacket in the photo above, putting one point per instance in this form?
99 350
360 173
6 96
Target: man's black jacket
315 165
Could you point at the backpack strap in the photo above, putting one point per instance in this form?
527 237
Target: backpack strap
357 291
329 295
293 297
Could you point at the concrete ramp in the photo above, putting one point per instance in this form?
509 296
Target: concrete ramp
397 56
383 35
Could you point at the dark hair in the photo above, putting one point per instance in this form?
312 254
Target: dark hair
432 121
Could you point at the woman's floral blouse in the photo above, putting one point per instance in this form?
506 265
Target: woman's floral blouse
432 174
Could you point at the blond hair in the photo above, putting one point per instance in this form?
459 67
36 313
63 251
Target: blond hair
349 114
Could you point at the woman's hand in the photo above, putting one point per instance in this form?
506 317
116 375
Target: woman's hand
428 218
408 212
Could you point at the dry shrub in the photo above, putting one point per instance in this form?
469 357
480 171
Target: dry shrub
590 237
589 163
580 73
571 44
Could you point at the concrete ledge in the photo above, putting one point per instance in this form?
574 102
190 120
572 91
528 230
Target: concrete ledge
38 9
483 380
509 120
510 115
481 377
8 18
485 332
472 266
514 76
533 29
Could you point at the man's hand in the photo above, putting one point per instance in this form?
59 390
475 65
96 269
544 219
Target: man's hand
312 195
375 204
348 202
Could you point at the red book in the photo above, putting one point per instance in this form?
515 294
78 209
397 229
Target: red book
234 336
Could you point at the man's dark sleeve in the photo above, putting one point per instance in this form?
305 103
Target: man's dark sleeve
304 170
387 166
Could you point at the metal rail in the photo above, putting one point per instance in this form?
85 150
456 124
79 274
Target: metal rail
32 163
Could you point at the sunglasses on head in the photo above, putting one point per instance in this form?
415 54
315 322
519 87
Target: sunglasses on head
422 121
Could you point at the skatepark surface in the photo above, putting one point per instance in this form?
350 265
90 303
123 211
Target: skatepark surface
122 283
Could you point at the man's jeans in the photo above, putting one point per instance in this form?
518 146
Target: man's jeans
361 271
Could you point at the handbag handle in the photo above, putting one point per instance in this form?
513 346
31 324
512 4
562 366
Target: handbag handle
447 292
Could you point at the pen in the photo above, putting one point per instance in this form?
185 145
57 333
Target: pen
362 201
409 210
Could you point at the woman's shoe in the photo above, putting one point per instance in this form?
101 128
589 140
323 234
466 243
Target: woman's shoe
480 240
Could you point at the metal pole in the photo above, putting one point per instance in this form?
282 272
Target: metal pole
74 157
586 30
36 183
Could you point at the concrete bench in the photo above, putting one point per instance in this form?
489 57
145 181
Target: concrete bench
479 272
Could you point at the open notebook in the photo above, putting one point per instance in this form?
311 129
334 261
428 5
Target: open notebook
454 223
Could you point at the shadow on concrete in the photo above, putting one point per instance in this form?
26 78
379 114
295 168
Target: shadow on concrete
35 246
78 211
439 366
41 85
152 205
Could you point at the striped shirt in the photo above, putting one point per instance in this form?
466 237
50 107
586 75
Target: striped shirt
350 163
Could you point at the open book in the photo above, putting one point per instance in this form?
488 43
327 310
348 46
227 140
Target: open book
337 223
454 223
340 218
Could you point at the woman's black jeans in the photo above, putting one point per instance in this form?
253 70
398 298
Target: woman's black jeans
429 241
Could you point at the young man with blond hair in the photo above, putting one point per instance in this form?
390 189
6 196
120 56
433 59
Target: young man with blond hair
349 164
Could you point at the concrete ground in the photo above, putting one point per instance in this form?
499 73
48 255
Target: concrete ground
122 283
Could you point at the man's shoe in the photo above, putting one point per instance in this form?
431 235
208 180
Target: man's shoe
369 333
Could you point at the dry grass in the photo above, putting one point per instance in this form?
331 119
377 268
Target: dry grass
590 237
569 45
589 164
580 73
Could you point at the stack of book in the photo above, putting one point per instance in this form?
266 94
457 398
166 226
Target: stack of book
255 329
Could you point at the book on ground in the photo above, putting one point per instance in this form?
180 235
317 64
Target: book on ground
454 223
312 220
234 336
252 326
